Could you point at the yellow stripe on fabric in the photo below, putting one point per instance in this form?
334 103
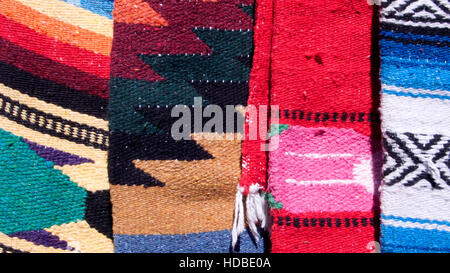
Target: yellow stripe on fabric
82 237
24 245
53 109
98 156
73 15
90 176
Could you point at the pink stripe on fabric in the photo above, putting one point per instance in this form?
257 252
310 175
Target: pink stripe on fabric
322 169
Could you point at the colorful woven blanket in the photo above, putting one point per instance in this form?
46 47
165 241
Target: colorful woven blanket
325 160
224 126
415 107
176 195
54 82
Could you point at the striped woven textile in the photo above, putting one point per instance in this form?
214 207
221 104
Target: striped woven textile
54 88
415 75
176 195
324 173
313 61
115 133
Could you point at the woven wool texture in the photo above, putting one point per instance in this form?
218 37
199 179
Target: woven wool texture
325 172
324 166
254 160
168 195
415 109
254 213
85 171
54 88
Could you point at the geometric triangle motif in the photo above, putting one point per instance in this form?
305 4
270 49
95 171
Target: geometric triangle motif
417 10
147 147
416 160
197 173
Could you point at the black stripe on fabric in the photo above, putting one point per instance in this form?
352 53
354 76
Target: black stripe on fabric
424 176
402 175
53 125
442 153
435 140
386 3
222 94
403 146
329 116
442 7
162 118
415 30
411 18
7 249
52 92
325 222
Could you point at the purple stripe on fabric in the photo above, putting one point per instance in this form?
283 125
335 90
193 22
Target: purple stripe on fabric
58 157
41 237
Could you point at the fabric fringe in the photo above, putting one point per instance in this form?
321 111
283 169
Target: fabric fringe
256 212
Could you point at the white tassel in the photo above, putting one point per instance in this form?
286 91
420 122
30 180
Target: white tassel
256 210
257 213
239 218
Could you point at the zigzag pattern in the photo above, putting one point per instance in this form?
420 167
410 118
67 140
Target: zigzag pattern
434 9
433 13
225 84
409 159
180 50
204 58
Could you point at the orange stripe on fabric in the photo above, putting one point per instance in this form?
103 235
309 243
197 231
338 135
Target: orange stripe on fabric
73 15
137 12
53 28
79 58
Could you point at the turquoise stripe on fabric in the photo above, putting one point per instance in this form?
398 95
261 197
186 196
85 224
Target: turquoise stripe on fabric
416 95
399 239
414 220
415 76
